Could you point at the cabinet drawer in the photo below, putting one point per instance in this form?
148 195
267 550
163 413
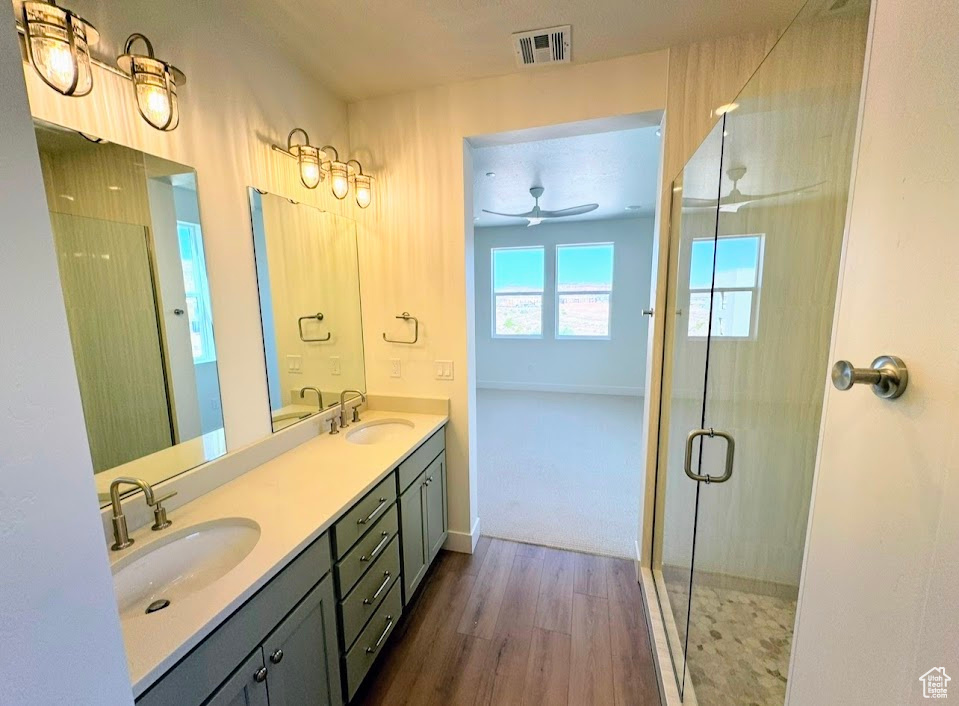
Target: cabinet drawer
371 641
354 524
369 593
421 458
351 567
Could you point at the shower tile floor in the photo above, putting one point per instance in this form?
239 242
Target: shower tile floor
738 644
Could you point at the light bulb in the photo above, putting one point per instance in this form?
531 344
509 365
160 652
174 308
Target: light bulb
363 196
154 101
309 173
339 179
55 61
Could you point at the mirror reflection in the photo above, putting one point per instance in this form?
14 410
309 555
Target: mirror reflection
309 286
130 251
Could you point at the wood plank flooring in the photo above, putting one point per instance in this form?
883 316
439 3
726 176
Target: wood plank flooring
520 624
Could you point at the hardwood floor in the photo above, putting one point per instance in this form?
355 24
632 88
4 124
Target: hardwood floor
520 624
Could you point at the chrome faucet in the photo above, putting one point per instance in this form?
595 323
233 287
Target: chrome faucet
356 413
319 395
121 535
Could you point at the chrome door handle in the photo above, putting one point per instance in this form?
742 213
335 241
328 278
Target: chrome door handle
730 453
386 580
386 631
373 514
887 375
377 548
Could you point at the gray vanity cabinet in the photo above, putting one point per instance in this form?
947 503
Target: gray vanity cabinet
413 531
243 688
437 523
423 510
301 655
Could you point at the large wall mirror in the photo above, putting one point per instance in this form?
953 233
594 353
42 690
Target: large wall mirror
309 286
130 252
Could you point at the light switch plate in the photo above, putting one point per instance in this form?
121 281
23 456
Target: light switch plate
294 364
396 369
443 369
335 368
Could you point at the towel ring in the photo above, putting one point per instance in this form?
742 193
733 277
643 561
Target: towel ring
416 329
318 317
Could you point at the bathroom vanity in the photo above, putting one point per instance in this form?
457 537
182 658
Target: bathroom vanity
347 526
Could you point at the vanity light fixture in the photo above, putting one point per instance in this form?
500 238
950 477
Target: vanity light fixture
362 183
308 158
339 173
154 83
58 43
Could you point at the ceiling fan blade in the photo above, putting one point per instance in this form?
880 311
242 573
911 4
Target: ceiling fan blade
746 198
690 202
571 211
510 215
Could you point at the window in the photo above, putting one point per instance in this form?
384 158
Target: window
197 290
518 292
584 287
736 289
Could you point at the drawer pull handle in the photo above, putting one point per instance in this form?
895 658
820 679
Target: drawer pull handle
386 631
374 513
259 676
386 581
277 656
377 548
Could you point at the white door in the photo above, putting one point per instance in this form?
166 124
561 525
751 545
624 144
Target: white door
879 602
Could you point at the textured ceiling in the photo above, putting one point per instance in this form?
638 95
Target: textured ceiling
613 169
374 47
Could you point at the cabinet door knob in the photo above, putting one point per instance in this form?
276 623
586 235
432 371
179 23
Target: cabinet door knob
276 656
259 676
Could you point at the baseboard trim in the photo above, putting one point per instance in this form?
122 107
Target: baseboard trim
463 542
621 391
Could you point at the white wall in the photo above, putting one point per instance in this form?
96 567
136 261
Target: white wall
415 241
614 366
241 95
881 575
58 618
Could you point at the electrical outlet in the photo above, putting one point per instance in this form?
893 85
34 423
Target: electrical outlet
335 365
396 369
294 364
443 369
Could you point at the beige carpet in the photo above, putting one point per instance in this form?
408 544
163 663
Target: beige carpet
562 470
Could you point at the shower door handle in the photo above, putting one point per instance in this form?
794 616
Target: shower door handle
730 453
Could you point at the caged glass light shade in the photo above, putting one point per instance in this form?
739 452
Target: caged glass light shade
362 184
308 161
154 83
339 174
58 42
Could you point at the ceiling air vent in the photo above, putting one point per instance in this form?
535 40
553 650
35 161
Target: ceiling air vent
542 46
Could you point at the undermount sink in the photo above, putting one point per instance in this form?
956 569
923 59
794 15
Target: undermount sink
181 563
378 431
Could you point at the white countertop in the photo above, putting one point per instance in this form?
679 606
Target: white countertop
294 498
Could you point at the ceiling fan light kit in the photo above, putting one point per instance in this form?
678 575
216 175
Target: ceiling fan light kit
537 215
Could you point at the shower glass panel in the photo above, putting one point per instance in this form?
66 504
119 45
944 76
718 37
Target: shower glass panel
786 161
693 222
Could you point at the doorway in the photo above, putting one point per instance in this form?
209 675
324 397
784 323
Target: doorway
563 246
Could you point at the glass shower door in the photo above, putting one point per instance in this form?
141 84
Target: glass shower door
693 222
786 164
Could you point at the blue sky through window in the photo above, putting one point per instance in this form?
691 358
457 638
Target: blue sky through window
584 267
518 270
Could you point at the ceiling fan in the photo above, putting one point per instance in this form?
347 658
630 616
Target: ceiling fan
736 199
537 215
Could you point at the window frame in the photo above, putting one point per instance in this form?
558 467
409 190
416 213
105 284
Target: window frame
494 295
755 289
557 293
203 295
